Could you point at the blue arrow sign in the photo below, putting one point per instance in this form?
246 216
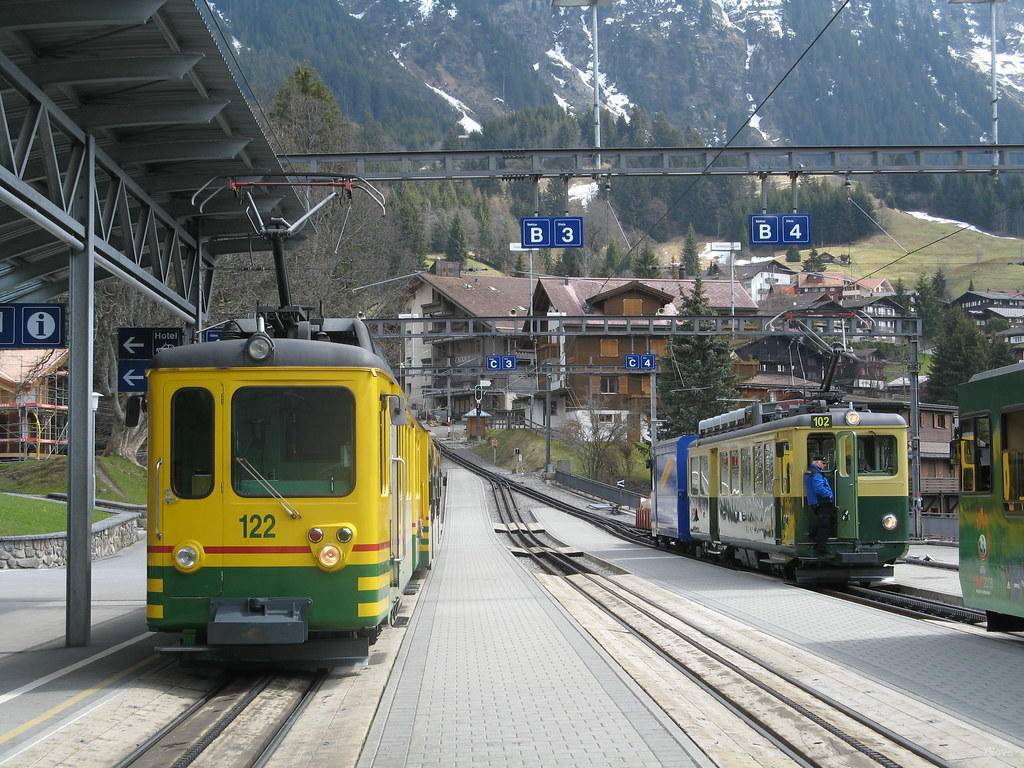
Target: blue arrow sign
131 375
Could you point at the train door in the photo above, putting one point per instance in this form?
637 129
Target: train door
846 486
719 480
186 497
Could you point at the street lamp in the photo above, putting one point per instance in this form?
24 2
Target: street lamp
995 77
597 86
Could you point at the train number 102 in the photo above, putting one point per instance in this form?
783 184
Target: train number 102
257 526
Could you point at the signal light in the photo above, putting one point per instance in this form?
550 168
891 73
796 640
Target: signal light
315 535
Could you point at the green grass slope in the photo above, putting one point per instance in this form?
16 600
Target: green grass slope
20 517
117 479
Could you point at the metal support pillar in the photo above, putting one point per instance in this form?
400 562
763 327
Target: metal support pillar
81 424
451 417
995 86
548 469
764 192
794 191
194 328
914 370
597 88
654 440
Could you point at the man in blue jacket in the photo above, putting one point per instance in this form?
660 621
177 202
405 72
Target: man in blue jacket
821 500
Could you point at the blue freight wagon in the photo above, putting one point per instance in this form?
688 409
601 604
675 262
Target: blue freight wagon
670 507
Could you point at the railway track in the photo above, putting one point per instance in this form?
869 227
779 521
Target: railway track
811 729
240 721
907 605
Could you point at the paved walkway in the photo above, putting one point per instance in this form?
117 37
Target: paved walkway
494 673
976 677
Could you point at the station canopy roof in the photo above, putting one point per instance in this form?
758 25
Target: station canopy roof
154 83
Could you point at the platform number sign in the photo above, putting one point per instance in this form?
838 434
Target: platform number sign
501 363
551 232
780 229
31 326
641 363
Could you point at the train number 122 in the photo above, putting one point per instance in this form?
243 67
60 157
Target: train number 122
257 526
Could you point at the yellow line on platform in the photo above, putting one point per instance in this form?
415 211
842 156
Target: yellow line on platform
56 710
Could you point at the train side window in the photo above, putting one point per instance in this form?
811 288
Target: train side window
723 472
745 469
694 475
822 444
876 454
192 443
759 455
734 475
1013 459
976 454
769 469
705 481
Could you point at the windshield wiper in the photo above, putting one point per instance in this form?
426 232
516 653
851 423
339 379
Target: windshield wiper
265 484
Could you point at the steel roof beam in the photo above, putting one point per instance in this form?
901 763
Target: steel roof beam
509 164
133 153
133 115
48 14
14 275
110 70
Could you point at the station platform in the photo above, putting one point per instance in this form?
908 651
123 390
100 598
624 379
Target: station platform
960 671
493 671
43 683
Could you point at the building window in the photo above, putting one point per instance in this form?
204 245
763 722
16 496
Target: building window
609 385
632 307
976 454
609 347
939 420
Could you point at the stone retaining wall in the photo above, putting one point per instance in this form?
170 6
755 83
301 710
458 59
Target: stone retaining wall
49 550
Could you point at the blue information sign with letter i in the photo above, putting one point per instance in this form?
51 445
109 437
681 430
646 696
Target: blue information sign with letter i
32 326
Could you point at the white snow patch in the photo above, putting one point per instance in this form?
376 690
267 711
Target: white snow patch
962 224
358 16
617 103
583 192
536 66
565 105
469 125
452 12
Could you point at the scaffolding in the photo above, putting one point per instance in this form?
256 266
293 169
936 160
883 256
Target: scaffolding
33 407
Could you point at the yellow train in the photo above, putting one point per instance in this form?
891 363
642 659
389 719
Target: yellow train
740 490
292 494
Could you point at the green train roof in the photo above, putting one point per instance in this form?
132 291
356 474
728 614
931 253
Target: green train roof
996 372
804 420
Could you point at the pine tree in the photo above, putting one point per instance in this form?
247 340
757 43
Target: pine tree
568 265
646 263
900 295
690 266
970 285
929 308
438 237
960 353
939 288
456 249
792 255
696 380
612 260
519 267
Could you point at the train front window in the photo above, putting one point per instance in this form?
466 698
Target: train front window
876 454
300 439
192 443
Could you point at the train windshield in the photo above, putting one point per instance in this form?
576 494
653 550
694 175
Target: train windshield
300 439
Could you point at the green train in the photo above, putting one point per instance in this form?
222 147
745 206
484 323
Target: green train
990 452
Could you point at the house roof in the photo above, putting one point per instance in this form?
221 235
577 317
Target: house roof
874 283
747 271
632 285
573 295
776 303
868 301
1010 313
778 381
994 295
485 295
821 279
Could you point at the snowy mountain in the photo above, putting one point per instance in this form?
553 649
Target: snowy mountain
888 71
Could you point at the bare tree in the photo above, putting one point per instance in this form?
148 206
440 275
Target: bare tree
602 445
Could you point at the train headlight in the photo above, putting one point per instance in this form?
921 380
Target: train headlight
329 556
852 418
188 557
259 347
315 535
889 522
345 534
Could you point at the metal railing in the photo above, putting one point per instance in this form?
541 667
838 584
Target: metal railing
611 493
